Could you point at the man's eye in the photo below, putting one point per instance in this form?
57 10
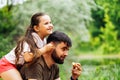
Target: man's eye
64 49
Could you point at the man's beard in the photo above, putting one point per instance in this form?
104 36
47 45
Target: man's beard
56 58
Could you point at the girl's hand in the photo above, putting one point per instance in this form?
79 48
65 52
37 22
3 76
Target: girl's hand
49 47
46 49
28 56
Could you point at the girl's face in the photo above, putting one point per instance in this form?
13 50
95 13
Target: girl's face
45 26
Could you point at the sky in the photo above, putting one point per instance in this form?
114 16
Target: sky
4 2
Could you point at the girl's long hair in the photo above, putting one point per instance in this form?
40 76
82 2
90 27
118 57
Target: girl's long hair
28 38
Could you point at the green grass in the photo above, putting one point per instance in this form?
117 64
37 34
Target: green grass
102 68
101 72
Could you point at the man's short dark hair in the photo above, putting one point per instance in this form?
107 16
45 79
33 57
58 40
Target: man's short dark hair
58 36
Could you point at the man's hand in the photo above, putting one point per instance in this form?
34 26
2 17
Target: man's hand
76 71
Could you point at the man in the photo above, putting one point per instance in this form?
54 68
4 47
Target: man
45 68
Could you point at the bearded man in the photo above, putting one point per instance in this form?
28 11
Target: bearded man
45 67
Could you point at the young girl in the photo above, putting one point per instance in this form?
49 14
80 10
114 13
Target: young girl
32 45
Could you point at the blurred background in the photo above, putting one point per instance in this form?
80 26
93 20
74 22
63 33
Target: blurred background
93 25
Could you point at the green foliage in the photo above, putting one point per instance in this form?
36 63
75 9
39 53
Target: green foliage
6 21
98 16
105 29
113 11
7 25
5 45
109 36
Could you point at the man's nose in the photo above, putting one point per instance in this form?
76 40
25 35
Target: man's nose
66 53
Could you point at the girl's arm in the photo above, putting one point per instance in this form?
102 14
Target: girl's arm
28 56
46 49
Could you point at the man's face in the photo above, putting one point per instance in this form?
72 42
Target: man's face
60 52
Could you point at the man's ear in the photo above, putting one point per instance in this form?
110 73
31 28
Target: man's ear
36 28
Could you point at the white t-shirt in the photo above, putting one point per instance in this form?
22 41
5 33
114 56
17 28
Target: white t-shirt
11 55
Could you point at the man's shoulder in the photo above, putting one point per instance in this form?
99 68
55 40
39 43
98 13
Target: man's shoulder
39 62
